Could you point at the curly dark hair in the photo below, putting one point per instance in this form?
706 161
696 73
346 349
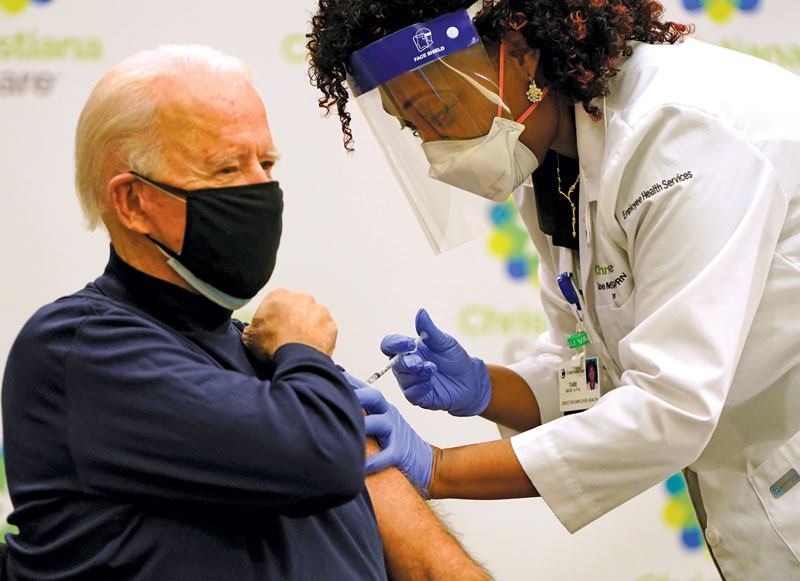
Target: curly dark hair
581 42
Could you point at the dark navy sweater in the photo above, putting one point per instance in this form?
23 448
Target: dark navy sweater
142 441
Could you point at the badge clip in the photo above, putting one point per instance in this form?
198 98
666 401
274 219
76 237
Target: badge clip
578 340
568 289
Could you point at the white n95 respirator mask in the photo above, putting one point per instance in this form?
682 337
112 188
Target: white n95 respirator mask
491 166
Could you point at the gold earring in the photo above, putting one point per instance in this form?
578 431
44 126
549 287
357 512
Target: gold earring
534 93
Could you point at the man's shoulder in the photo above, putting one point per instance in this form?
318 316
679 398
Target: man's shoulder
67 314
78 305
48 336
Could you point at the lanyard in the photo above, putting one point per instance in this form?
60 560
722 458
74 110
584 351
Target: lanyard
567 286
578 381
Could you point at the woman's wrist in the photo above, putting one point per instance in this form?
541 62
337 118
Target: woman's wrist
512 403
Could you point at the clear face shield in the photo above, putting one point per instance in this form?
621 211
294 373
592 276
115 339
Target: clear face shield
434 101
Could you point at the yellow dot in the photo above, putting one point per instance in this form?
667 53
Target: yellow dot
675 512
13 6
720 10
500 244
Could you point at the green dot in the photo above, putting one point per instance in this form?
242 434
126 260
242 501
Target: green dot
13 6
293 48
520 238
533 263
7 528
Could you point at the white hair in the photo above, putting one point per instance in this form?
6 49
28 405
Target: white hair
118 126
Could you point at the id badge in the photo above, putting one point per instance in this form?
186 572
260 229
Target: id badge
578 383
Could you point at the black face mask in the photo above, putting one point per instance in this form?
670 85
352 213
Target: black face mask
231 239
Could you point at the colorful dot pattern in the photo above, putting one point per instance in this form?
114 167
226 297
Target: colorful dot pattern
15 6
509 241
721 10
679 513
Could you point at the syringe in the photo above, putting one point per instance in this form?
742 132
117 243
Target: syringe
393 361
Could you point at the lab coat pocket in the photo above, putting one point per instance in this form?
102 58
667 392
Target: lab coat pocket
777 483
616 323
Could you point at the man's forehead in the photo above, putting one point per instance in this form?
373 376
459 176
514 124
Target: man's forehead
212 105
214 119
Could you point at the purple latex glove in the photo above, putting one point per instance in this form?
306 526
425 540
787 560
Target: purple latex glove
440 374
402 446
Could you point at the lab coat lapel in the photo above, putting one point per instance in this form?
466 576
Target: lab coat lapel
591 142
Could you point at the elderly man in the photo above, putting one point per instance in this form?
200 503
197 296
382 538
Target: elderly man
148 435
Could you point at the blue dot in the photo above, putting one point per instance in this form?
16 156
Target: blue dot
675 484
693 5
692 538
42 1
748 5
501 214
518 268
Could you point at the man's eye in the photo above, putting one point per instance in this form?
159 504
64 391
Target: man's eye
443 117
267 165
227 170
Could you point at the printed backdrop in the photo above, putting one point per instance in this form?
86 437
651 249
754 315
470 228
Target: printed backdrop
350 240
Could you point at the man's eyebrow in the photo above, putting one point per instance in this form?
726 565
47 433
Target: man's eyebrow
272 154
219 160
232 158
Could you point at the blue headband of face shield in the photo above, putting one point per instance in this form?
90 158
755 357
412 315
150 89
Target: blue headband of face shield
409 49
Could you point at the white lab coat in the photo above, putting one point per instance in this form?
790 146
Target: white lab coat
700 340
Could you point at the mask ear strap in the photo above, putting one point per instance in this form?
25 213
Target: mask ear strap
176 193
211 293
165 250
502 78
532 107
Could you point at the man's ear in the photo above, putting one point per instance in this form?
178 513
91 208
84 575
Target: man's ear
124 194
519 49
